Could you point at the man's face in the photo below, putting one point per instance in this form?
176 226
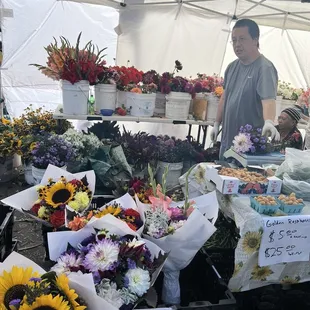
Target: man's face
243 44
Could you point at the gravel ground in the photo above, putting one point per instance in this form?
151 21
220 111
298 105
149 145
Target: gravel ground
26 231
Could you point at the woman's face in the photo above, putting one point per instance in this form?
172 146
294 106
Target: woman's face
286 122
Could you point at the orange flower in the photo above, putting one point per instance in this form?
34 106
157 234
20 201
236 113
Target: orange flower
136 90
219 91
77 223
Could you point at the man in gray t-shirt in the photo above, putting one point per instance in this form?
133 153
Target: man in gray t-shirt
250 88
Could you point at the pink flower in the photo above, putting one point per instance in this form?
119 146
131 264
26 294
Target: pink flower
161 202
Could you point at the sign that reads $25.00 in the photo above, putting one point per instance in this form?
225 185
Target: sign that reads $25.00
285 239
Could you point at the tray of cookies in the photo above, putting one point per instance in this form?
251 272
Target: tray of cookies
265 204
291 204
245 181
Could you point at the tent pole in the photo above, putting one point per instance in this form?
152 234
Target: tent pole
208 10
251 8
284 23
180 2
279 10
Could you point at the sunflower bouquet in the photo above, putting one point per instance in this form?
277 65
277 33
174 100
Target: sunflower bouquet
56 195
123 268
121 212
24 289
26 286
58 191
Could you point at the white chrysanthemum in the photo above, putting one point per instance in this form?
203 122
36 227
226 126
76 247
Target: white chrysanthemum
138 281
65 262
109 292
102 256
242 143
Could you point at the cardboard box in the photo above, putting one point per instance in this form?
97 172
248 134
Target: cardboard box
231 185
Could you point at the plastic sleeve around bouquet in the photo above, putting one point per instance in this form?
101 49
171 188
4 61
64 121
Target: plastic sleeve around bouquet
182 246
24 200
82 283
108 221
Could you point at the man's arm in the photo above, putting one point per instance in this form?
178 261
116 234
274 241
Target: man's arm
269 109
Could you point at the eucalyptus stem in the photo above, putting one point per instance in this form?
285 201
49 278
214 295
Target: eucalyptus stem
187 204
152 179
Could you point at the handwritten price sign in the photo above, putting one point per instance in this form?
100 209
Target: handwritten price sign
285 239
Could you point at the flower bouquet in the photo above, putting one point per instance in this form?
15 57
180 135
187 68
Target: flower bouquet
251 141
128 75
84 145
207 84
25 286
121 212
123 268
285 90
178 228
58 189
70 63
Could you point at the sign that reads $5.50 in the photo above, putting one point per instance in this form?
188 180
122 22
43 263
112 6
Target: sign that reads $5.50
285 239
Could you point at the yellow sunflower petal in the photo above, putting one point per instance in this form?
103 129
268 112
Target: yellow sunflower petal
47 302
59 193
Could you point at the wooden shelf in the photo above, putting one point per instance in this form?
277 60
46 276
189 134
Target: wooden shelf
59 115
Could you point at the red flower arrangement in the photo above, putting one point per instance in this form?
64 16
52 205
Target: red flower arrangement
128 75
71 64
207 84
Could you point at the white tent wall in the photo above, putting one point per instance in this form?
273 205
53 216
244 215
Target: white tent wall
34 25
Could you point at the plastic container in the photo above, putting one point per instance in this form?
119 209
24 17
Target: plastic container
177 105
39 173
213 103
264 209
106 112
142 105
160 104
75 97
174 172
105 95
28 174
291 209
200 106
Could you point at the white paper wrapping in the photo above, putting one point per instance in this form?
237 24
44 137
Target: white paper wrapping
24 200
184 243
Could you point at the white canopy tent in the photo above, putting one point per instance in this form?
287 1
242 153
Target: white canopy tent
149 34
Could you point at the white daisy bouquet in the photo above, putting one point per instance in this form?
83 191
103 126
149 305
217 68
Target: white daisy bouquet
57 191
25 286
123 268
180 229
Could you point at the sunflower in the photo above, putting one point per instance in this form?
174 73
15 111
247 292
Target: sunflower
59 193
62 283
288 280
200 174
261 273
112 209
251 241
47 302
12 284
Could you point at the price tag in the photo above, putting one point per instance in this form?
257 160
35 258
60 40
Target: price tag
285 239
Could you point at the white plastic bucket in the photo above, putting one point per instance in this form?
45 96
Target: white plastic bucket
174 172
121 98
105 96
177 105
140 104
160 104
212 105
39 173
28 174
75 97
6 170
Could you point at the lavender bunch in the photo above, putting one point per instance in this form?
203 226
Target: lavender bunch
260 143
54 150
